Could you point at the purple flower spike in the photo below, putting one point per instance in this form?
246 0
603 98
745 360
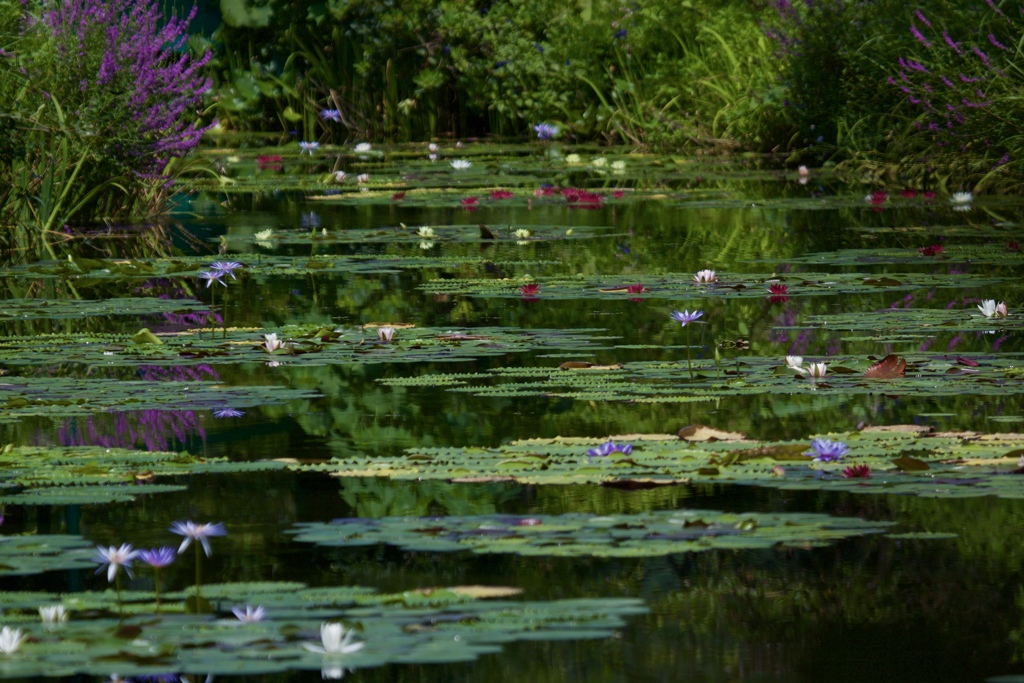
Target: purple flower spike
157 558
197 532
609 447
826 450
686 317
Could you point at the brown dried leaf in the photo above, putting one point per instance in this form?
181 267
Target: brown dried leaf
890 367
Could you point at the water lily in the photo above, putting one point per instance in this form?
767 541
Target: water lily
336 641
598 162
331 115
114 558
363 178
530 289
686 317
618 165
249 614
469 201
778 293
308 147
271 342
339 176
158 558
385 334
11 639
460 164
816 370
363 147
212 276
432 157
962 198
572 158
857 472
610 447
226 267
228 412
705 277
263 236
636 289
53 615
795 363
990 309
426 245
803 171
433 147
197 532
545 131
501 194
425 232
522 233
826 450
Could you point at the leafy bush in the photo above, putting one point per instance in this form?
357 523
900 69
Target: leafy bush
100 99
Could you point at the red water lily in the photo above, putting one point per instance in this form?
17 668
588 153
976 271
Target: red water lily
530 289
857 472
501 194
398 196
931 250
777 293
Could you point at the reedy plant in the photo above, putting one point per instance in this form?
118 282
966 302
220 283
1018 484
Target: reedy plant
101 107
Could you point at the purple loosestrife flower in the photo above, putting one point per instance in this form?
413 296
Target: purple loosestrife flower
924 20
826 450
686 317
996 43
158 558
114 558
608 448
951 43
920 37
197 532
146 65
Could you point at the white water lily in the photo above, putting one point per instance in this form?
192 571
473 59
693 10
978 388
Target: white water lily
336 641
363 147
598 162
272 343
264 235
460 164
705 277
53 614
962 198
816 370
619 165
803 171
795 363
11 639
433 147
426 244
990 309
425 232
522 233
385 334
572 158
432 156
339 176
363 178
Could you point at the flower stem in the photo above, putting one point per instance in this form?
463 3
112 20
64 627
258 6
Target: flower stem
689 365
198 583
156 587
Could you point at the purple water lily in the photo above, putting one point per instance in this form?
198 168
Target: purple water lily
826 450
226 268
197 532
157 558
113 558
608 448
545 131
686 317
212 276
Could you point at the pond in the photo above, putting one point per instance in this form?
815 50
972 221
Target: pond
450 408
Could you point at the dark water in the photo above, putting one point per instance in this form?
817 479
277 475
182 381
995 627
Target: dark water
865 609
